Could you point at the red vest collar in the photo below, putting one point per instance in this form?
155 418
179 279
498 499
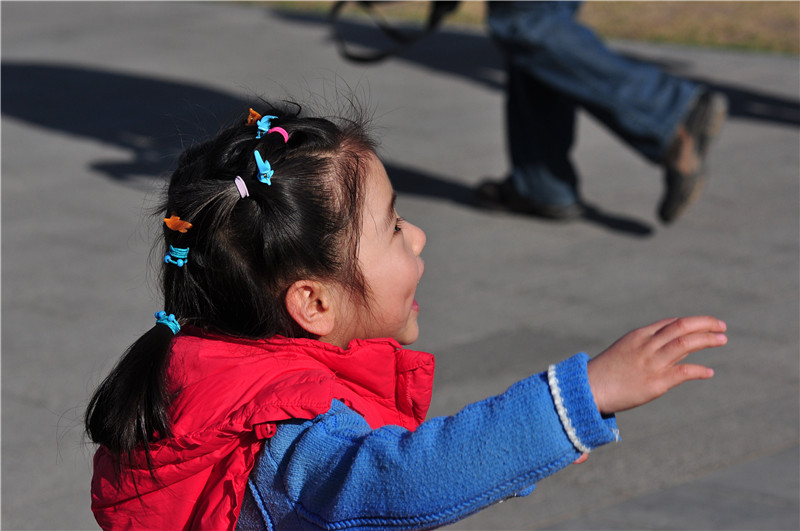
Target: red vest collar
379 371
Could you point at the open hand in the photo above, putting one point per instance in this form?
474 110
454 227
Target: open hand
644 364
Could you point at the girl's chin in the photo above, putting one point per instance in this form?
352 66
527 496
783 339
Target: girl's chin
407 341
410 335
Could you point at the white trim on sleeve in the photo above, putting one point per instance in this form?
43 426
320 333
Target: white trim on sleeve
552 380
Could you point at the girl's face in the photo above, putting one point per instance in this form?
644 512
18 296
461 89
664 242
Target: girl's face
388 255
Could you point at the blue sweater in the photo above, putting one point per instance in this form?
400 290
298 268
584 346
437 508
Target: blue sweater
334 472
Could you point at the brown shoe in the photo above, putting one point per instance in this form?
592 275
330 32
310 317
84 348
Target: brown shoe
684 164
498 195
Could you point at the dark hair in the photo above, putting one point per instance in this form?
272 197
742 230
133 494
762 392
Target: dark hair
244 254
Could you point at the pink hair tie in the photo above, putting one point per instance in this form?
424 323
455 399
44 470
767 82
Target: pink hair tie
242 187
282 131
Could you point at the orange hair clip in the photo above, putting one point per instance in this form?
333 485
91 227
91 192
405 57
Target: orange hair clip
253 118
175 223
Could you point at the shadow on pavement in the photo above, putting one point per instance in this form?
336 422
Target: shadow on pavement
155 119
410 181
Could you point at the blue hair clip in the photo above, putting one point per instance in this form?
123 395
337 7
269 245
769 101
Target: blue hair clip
177 256
264 169
264 124
169 320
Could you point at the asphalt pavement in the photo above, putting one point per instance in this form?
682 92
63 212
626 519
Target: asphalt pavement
99 98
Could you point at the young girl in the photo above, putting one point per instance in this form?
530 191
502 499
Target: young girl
273 392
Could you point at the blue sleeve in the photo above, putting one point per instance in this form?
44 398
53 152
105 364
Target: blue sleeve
334 472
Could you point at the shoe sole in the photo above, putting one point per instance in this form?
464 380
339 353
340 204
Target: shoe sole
710 124
712 119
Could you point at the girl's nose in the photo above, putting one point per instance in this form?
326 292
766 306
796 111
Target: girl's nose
418 239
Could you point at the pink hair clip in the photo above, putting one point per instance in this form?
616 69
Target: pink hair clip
242 187
282 132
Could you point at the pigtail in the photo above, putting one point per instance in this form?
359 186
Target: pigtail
130 405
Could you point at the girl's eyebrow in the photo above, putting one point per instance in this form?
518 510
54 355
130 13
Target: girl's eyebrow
390 214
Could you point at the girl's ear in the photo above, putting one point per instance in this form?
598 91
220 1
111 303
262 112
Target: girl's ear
311 305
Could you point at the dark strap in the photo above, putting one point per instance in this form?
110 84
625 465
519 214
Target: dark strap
402 39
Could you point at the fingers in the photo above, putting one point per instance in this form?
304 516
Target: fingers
682 346
645 363
683 325
658 326
674 339
581 459
686 372
686 326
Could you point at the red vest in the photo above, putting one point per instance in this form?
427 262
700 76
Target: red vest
229 395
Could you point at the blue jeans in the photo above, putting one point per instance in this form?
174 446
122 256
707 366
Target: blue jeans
555 65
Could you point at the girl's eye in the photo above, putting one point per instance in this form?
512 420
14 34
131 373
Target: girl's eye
398 224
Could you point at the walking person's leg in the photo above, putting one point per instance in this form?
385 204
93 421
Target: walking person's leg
666 119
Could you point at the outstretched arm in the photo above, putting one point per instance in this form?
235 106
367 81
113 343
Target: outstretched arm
336 472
